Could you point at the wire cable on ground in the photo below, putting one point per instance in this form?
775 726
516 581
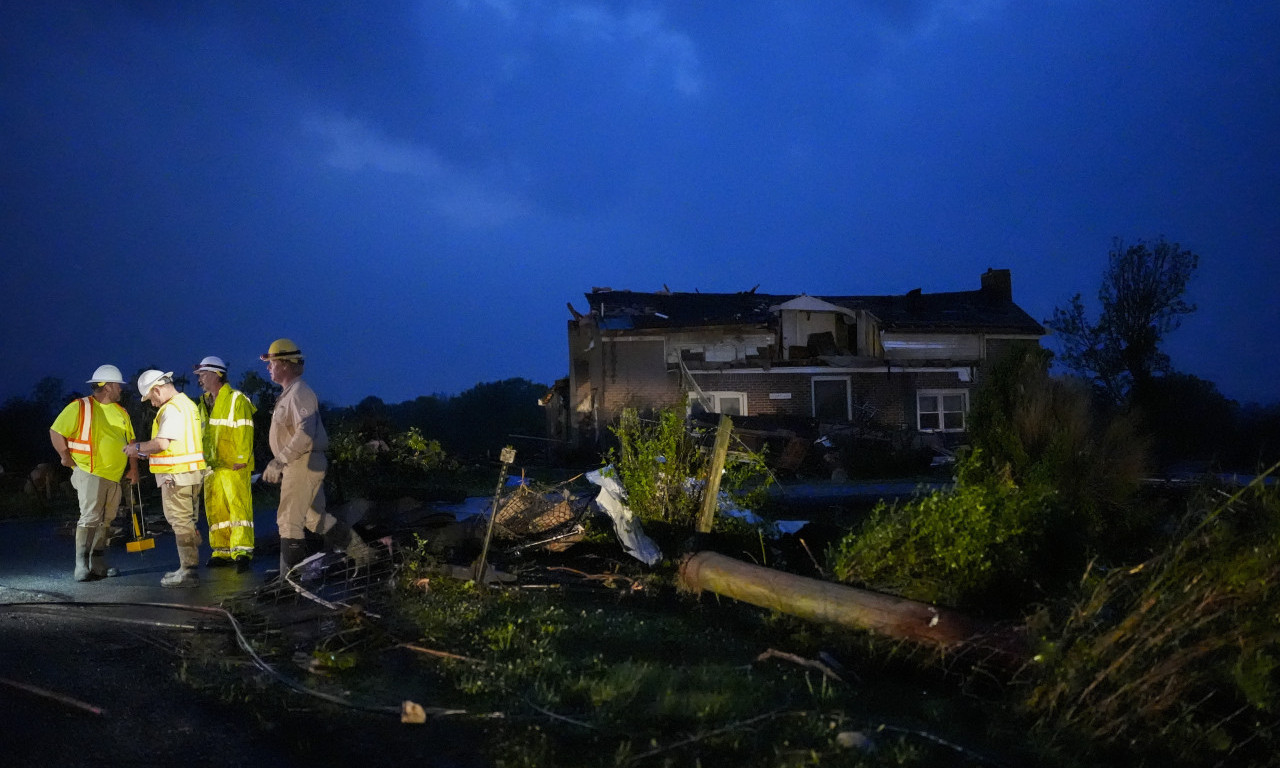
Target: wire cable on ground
241 640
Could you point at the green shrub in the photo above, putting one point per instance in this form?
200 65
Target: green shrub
952 547
367 468
1045 431
662 465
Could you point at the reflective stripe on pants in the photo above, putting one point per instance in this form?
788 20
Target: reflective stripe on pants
228 506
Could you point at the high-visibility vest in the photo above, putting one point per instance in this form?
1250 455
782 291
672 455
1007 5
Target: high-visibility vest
92 442
185 454
228 428
80 442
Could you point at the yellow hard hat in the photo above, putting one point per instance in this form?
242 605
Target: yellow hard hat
283 349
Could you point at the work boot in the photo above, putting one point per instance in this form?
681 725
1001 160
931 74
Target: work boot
188 560
292 552
183 577
98 568
84 550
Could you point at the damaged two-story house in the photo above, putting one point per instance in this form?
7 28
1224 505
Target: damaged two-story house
907 364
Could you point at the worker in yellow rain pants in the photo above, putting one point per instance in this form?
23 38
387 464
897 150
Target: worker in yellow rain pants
227 417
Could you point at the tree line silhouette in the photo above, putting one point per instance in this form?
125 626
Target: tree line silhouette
471 425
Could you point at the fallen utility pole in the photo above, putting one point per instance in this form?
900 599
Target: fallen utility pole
839 604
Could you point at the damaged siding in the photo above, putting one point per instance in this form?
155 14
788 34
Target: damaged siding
903 347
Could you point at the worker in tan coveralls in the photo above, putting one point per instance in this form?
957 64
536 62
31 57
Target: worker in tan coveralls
298 440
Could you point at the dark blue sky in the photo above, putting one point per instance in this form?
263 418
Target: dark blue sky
412 191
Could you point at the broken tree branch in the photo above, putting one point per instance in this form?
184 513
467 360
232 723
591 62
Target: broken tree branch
800 660
58 697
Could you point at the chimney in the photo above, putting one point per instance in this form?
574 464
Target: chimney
997 285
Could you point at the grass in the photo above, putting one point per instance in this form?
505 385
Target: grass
623 671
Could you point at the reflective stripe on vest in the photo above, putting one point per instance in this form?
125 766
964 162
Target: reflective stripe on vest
187 457
84 423
230 422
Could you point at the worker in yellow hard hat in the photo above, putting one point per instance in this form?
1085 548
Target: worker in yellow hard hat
226 416
176 454
298 441
89 436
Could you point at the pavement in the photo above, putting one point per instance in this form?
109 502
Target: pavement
91 675
37 557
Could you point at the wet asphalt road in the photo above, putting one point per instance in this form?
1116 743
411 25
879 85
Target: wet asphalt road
86 684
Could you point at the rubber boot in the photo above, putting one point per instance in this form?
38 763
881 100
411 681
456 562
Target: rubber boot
188 560
98 568
292 552
84 545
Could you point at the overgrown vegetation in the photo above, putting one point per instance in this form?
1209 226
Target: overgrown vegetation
1045 488
663 464
1176 658
405 462
962 547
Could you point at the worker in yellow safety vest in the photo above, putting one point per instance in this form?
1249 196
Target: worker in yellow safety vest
89 435
176 453
226 416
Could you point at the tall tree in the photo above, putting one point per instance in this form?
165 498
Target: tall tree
1142 300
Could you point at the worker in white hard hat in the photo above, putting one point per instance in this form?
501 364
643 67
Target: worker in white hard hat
176 453
226 416
298 441
89 436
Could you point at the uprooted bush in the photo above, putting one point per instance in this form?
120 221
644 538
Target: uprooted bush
1178 656
955 547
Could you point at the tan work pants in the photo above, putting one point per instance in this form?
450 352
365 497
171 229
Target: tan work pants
302 504
179 505
99 498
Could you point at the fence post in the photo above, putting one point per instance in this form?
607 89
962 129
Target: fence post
711 492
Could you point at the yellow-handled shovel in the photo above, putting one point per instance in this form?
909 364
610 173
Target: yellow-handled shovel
140 539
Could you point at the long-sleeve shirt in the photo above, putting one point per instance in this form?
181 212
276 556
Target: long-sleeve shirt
296 429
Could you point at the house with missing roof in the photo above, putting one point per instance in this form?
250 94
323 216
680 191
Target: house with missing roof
905 365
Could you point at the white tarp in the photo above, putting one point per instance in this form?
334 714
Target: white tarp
625 524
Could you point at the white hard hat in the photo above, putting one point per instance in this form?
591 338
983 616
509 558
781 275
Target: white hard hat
150 378
106 374
211 363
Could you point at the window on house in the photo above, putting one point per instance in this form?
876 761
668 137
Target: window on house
941 410
728 403
831 398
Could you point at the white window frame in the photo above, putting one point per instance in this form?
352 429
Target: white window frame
715 396
848 394
942 394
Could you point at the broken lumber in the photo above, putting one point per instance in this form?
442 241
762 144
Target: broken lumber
836 603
